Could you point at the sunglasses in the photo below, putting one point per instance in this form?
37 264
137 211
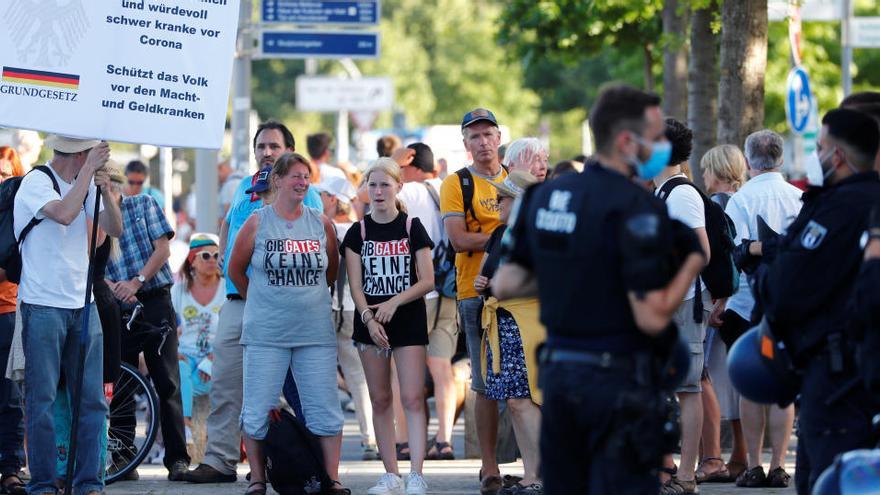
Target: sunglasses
135 182
205 256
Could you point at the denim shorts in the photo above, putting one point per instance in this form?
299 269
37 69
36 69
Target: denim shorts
471 313
314 370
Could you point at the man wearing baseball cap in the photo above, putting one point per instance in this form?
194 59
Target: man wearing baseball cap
470 213
52 290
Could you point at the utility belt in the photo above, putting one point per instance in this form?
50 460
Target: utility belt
164 290
604 360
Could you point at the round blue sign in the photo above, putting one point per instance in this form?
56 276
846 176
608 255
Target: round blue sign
798 100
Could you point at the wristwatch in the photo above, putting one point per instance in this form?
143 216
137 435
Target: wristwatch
142 279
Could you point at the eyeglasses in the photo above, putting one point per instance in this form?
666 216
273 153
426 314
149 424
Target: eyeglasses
135 182
205 256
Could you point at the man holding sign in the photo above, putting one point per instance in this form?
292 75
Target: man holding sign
53 283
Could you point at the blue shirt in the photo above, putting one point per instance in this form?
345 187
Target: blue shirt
143 223
240 210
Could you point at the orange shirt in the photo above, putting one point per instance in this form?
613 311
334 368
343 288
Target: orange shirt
8 295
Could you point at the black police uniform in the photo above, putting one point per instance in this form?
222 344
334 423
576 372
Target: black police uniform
805 288
603 418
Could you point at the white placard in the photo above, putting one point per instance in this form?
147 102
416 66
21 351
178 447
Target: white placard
811 10
332 94
864 32
138 71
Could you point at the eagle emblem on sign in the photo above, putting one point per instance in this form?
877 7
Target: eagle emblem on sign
46 32
813 235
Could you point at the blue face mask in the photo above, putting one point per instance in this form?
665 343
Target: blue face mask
659 159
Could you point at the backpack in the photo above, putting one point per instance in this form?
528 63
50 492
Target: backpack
720 275
466 180
443 257
294 460
10 247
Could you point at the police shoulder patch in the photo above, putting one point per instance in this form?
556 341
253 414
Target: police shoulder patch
813 235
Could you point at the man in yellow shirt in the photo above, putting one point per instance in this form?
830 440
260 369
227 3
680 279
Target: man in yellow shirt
470 213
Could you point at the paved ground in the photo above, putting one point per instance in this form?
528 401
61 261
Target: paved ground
457 477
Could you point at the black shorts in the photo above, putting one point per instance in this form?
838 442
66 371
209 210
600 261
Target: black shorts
408 327
733 327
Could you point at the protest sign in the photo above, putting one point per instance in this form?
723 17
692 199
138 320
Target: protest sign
138 71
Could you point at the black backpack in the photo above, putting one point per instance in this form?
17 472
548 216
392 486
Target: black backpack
443 256
294 461
720 275
10 247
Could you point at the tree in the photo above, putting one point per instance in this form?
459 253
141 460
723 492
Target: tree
743 64
702 82
675 59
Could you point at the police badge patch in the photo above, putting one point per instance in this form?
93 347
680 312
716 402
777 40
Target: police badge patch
813 235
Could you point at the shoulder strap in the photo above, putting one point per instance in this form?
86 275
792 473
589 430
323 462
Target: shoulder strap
36 221
363 230
467 193
408 225
671 184
435 197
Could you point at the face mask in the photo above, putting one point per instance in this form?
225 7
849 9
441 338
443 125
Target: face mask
816 175
659 159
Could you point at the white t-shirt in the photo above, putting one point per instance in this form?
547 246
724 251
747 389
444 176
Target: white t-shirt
347 301
197 322
55 258
686 205
419 204
778 203
328 171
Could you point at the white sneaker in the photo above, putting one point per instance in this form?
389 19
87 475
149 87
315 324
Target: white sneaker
389 484
416 485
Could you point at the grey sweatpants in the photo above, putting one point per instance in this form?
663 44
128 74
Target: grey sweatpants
224 436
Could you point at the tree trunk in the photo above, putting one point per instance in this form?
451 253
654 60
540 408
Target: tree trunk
648 67
743 63
675 60
702 86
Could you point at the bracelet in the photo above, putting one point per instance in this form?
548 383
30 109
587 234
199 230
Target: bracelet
364 318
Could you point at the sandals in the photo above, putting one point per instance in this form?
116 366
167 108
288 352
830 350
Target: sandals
676 486
719 476
440 451
490 485
401 455
259 490
336 488
12 484
752 478
778 478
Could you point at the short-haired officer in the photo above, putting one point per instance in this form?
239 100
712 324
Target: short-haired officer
610 269
805 284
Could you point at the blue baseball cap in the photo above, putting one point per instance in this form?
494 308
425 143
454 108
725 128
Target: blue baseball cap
477 115
262 182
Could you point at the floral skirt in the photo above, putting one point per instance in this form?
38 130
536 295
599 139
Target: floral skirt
512 382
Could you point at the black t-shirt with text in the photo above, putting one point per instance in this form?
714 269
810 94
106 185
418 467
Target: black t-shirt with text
388 268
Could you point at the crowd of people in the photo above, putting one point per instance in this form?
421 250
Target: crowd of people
600 272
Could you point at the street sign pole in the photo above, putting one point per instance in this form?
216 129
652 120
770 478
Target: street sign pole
241 83
846 44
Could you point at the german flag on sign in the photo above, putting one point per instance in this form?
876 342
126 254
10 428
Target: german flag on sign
40 78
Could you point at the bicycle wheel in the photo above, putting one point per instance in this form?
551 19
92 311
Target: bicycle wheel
133 423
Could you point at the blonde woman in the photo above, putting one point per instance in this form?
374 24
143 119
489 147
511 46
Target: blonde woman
724 172
388 259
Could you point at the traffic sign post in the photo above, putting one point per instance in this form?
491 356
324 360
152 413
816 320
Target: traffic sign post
317 44
798 100
342 12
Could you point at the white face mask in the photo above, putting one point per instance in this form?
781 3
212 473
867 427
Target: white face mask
816 176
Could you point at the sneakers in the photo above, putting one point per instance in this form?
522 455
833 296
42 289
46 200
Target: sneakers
416 485
752 478
178 471
370 452
778 478
204 473
389 484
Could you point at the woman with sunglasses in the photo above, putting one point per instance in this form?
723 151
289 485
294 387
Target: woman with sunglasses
197 298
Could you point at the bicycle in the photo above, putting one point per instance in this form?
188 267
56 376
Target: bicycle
134 409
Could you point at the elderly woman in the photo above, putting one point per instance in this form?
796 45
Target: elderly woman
529 155
724 171
512 333
292 256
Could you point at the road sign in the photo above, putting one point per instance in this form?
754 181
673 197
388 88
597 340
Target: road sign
346 12
811 10
333 94
864 32
798 100
317 44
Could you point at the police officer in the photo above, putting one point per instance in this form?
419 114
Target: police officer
865 325
610 268
806 283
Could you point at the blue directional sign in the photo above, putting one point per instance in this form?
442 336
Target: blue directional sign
345 12
798 100
330 44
